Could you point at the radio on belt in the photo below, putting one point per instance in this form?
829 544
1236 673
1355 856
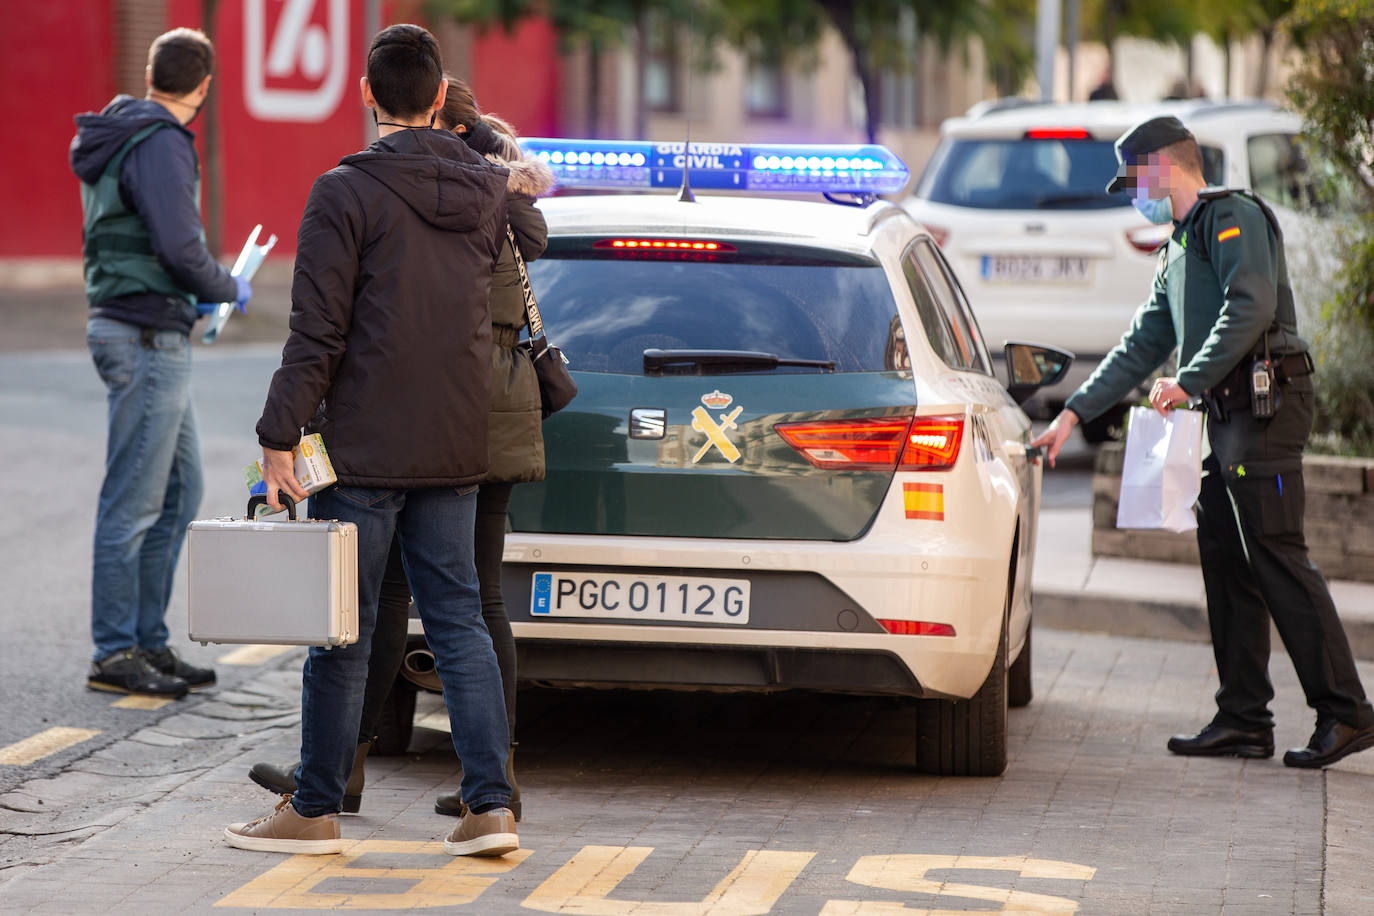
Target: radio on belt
807 168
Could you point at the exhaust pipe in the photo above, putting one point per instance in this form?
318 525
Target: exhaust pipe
418 668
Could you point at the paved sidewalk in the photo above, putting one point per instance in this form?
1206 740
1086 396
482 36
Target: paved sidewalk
686 804
1075 590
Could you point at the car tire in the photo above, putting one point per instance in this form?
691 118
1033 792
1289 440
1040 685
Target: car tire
1019 690
397 721
967 737
1107 428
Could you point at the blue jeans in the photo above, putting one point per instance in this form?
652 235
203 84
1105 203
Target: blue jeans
435 529
153 481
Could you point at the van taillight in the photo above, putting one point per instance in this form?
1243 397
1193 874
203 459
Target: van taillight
882 444
1147 239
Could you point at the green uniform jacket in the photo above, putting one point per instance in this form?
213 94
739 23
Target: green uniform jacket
1222 281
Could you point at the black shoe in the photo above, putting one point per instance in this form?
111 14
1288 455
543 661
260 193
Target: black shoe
450 804
1332 741
167 662
275 779
1219 741
128 671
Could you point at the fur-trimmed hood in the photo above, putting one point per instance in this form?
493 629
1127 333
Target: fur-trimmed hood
529 177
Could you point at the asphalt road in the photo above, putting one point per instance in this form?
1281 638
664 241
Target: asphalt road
52 450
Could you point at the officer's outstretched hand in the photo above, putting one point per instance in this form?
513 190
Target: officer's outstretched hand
245 292
1056 435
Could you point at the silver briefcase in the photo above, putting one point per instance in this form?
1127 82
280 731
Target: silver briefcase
273 582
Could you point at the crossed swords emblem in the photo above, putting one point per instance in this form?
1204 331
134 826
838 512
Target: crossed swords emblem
715 433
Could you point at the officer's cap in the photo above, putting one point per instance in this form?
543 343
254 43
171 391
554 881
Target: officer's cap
1148 136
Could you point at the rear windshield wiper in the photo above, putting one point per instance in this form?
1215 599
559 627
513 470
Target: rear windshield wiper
1081 197
721 362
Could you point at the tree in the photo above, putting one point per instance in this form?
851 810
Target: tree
1333 88
1227 20
1175 21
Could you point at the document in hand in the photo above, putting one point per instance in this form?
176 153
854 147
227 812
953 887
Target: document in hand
1162 472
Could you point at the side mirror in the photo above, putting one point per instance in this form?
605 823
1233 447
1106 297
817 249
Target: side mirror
1033 366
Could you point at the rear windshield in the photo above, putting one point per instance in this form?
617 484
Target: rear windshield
1023 175
605 310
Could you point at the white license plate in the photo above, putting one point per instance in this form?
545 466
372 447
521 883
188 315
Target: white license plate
999 268
680 599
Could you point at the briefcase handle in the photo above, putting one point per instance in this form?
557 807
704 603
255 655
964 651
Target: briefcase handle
260 499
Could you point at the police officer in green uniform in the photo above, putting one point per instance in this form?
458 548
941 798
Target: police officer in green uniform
1221 297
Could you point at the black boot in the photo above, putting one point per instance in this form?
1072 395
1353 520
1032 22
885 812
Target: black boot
282 780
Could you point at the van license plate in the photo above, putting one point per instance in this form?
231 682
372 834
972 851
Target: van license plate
680 599
1022 269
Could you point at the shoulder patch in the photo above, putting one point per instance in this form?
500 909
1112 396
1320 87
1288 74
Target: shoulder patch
1230 233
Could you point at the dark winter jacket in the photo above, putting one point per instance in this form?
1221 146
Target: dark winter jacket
516 420
159 180
390 345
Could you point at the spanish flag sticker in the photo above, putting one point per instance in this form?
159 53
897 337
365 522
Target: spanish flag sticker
924 500
1225 234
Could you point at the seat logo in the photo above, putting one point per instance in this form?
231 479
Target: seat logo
648 422
716 435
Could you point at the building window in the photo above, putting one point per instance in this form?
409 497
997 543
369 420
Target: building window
765 91
662 66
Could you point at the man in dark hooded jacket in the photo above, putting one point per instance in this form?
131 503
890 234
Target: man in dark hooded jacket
389 359
146 268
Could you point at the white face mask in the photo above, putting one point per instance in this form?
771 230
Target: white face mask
1156 211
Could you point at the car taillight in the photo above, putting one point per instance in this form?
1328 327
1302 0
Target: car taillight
916 628
1147 239
932 443
938 233
883 444
849 445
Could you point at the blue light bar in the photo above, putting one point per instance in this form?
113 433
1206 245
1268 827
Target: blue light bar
836 169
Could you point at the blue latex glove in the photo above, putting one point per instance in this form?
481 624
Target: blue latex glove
243 292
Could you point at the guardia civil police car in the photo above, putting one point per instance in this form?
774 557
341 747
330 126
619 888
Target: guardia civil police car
789 464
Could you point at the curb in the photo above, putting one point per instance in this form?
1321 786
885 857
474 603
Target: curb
1100 612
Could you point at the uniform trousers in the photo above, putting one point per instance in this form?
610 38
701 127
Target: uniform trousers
1255 566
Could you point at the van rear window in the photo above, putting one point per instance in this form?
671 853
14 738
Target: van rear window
605 308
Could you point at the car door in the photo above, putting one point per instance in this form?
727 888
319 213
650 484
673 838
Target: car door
1003 426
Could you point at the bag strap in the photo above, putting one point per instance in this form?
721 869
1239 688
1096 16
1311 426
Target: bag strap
532 319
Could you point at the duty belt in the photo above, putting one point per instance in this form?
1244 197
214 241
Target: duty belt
1233 392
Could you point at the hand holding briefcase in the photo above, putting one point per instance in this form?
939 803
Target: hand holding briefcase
288 582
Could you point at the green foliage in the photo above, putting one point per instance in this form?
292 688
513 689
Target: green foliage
1333 88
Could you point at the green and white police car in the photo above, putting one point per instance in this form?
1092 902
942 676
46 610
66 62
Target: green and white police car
789 464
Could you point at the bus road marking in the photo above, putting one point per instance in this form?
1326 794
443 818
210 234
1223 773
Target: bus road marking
43 744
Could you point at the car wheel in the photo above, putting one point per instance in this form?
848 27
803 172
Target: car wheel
967 737
1107 428
397 721
1019 692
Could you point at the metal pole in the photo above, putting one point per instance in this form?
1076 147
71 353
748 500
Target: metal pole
372 24
1071 37
1047 15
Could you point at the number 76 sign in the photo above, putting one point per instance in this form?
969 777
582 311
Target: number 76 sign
295 58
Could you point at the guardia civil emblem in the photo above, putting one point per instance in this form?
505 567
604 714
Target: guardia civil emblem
716 430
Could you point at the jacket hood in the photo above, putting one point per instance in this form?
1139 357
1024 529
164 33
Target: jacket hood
99 136
444 182
529 177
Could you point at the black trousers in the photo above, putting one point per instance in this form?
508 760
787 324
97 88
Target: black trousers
393 611
1255 566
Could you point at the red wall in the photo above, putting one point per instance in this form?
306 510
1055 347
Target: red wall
287 95
40 90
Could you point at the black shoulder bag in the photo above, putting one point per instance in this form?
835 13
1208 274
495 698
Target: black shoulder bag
556 385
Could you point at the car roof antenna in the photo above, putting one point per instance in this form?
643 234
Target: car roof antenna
684 193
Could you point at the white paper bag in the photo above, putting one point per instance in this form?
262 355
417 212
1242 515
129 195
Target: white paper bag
1162 472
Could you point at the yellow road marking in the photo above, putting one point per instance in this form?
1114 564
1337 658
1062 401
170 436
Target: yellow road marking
583 885
452 881
133 702
907 873
253 655
36 747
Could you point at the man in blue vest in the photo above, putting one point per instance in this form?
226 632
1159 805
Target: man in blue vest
147 267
